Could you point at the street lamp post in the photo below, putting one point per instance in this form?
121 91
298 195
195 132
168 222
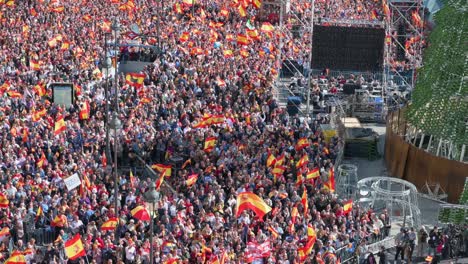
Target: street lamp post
115 122
151 197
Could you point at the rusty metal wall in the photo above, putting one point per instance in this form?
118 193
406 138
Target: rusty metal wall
415 165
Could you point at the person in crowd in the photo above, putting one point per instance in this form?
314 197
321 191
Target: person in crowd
422 249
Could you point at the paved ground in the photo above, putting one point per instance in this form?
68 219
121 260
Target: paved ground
429 208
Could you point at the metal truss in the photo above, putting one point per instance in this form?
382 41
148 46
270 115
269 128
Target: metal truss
401 14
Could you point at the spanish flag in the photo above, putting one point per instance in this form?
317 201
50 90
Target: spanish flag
109 225
313 174
41 161
257 4
65 45
348 206
59 221
244 53
267 27
210 143
305 251
160 180
217 119
184 37
34 65
242 11
58 9
186 163
85 110
163 169
271 160
224 12
86 18
15 94
52 43
253 34
299 178
4 232
273 232
302 143
106 25
188 2
303 161
330 185
37 115
227 54
279 170
39 212
4 201
280 160
248 200
294 214
16 258
191 180
305 202
40 89
242 40
177 8
311 234
135 79
74 248
60 125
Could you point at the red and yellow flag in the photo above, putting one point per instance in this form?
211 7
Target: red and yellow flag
4 201
305 202
163 169
59 221
60 125
39 212
37 115
85 110
302 143
348 206
160 180
34 65
303 161
191 180
110 224
257 4
58 9
278 170
242 11
248 200
267 27
294 214
16 258
184 37
330 185
40 89
188 2
4 232
242 40
271 160
135 79
210 143
313 174
74 248
273 232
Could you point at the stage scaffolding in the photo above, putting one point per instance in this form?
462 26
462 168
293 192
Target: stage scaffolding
404 29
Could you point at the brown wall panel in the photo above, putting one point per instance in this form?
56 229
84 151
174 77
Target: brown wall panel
410 163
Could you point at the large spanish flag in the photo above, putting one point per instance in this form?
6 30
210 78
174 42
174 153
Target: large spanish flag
37 115
248 200
4 201
163 169
135 79
210 143
110 224
60 125
16 258
267 27
74 248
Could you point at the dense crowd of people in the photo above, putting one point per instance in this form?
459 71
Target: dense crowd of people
209 73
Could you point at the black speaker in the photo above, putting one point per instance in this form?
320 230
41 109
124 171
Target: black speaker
296 31
350 88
